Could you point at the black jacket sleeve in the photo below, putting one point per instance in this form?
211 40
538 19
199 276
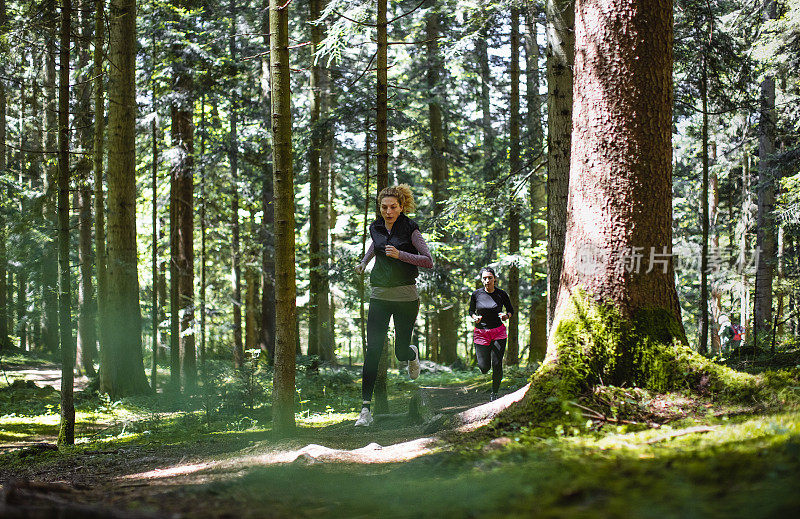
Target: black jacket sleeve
472 304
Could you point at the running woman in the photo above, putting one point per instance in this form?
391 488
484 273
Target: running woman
486 310
398 248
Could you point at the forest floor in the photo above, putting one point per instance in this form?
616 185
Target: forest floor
678 455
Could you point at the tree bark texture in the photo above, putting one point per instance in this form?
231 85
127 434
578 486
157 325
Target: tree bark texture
4 307
560 59
620 198
122 366
285 289
702 346
314 230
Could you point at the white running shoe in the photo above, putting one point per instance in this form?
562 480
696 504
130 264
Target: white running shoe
413 365
365 418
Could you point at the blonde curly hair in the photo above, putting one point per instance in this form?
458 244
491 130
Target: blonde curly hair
402 193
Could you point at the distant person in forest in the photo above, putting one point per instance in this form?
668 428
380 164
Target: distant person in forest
486 309
398 248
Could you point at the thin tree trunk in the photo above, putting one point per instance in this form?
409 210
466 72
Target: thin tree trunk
267 205
487 142
560 58
87 328
364 230
766 226
314 228
122 373
716 292
382 138
448 334
154 219
49 321
97 166
537 195
285 291
4 285
327 348
66 432
203 251
744 247
233 158
512 351
702 346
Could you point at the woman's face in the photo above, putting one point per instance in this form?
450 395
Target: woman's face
390 209
488 280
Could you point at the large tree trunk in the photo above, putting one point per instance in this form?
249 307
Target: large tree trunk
766 236
512 351
560 57
233 158
122 366
285 289
537 195
617 323
154 311
446 305
66 431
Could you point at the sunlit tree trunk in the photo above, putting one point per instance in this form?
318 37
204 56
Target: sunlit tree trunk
743 230
560 58
766 236
716 291
122 366
620 197
154 221
285 290
66 431
537 195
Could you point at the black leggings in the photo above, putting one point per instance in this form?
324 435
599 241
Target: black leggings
405 314
493 353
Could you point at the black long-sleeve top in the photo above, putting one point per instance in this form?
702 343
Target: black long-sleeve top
489 306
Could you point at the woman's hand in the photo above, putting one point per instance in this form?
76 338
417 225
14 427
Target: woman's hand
359 269
476 319
392 251
504 317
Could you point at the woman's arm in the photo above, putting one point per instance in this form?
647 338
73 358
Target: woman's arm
366 259
423 259
507 303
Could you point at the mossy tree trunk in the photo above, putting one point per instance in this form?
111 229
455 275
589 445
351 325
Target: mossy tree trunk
122 367
617 319
285 288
